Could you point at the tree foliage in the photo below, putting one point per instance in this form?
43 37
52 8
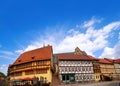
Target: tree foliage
2 75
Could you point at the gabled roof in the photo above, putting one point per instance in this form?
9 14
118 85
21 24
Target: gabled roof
76 55
43 53
72 56
104 61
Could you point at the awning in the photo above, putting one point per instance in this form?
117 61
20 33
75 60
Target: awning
23 79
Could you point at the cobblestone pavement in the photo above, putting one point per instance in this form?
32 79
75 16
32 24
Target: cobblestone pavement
108 83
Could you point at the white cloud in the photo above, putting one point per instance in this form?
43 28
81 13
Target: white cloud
90 41
19 51
108 53
111 26
73 32
91 22
117 50
111 52
3 68
4 56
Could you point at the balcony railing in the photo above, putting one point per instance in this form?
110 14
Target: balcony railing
29 68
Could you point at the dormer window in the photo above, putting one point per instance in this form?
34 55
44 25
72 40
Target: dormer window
33 57
19 60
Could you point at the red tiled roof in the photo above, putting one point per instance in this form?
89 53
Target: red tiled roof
71 56
43 53
91 57
104 61
111 60
117 61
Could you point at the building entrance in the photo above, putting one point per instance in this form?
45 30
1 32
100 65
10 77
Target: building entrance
68 77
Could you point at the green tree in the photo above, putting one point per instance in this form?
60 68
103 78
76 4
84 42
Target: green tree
2 75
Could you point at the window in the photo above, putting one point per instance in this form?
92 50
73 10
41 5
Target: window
96 76
80 77
41 71
66 69
70 69
83 68
30 72
33 57
18 74
41 63
19 60
90 76
89 68
62 70
73 69
63 77
24 65
67 77
84 77
87 76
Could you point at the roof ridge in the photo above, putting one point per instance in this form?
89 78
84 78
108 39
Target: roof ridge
64 53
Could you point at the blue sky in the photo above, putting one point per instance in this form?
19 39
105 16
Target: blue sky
92 25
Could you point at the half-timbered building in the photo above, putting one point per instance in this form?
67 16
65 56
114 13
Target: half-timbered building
75 67
107 69
30 64
117 68
96 68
